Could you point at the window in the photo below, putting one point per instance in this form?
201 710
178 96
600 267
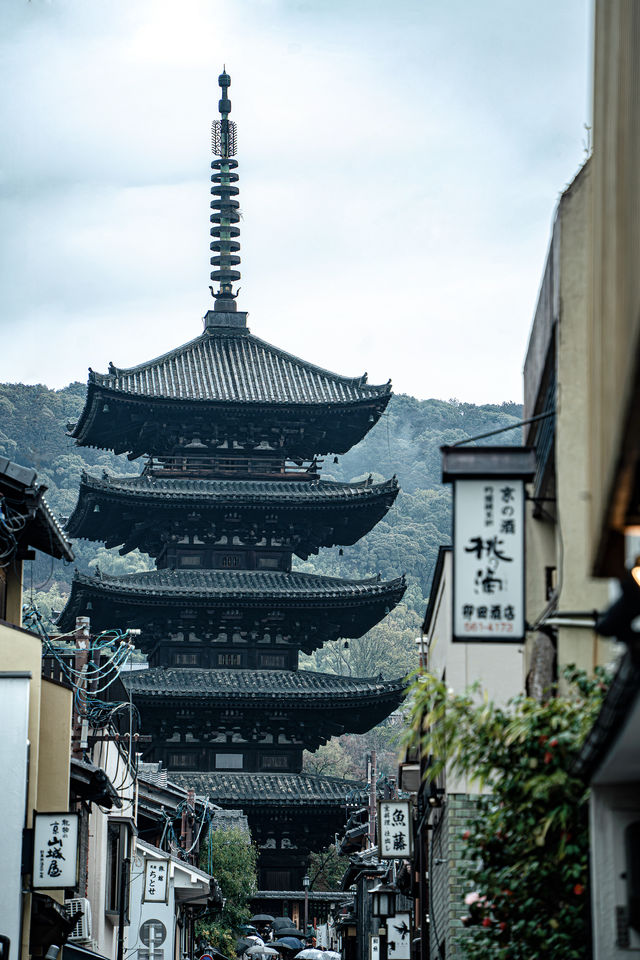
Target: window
186 659
229 659
274 762
184 761
268 563
277 879
190 560
273 661
229 761
230 561
118 849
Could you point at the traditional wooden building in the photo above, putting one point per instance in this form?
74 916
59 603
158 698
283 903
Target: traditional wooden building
234 431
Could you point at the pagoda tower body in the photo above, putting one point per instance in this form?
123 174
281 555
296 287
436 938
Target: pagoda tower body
234 432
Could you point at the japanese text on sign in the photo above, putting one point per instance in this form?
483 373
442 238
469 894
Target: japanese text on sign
395 829
489 560
55 853
155 880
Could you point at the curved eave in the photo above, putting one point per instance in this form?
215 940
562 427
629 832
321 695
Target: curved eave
110 594
89 432
368 503
261 789
299 689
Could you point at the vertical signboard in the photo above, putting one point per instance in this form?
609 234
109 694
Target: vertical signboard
374 947
395 829
55 850
156 874
488 559
398 937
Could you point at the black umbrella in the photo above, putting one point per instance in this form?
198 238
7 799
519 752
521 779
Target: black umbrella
282 922
243 944
262 918
289 943
290 932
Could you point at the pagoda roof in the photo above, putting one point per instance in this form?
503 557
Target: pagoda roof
211 585
286 685
232 365
269 789
227 384
133 595
241 492
331 512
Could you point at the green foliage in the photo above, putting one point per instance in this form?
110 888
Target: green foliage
345 756
231 858
527 849
326 869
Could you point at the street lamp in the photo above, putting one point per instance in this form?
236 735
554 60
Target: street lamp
383 900
306 882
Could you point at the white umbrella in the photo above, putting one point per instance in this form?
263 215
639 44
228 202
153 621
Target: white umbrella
261 951
330 955
310 953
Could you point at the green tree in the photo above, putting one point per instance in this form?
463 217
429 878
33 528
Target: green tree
527 849
230 857
326 869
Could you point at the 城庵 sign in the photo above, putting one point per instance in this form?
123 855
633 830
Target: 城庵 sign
395 829
488 559
55 850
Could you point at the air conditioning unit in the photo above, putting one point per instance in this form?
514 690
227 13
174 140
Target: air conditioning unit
80 908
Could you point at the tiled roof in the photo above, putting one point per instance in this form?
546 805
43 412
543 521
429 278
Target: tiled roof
22 493
259 684
214 585
235 366
239 491
271 788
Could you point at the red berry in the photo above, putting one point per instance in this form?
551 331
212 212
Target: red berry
578 889
487 922
553 743
466 834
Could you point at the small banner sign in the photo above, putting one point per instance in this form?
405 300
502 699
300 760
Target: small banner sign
398 937
488 560
156 873
395 829
374 947
55 850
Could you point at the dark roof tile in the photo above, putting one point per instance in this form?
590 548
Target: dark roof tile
236 367
270 788
258 684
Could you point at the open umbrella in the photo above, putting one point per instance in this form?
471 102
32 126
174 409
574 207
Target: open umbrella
261 951
243 944
330 955
309 954
290 932
282 922
262 918
289 943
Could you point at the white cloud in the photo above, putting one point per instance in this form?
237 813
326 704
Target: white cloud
399 167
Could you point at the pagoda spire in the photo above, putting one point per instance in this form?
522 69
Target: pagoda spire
224 205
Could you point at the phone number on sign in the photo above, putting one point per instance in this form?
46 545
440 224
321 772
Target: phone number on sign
495 626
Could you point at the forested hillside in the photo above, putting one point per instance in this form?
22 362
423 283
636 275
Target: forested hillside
406 442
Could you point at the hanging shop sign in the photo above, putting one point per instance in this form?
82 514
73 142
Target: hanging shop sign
374 947
395 829
488 541
55 850
156 873
398 937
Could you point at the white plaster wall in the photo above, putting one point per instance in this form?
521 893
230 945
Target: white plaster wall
612 808
497 667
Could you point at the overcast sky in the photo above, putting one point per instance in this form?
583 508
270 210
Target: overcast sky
400 163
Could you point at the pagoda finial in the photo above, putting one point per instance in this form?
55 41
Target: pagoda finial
224 205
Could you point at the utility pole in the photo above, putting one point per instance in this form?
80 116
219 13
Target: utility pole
372 798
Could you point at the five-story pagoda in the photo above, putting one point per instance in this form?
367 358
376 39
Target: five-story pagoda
234 431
